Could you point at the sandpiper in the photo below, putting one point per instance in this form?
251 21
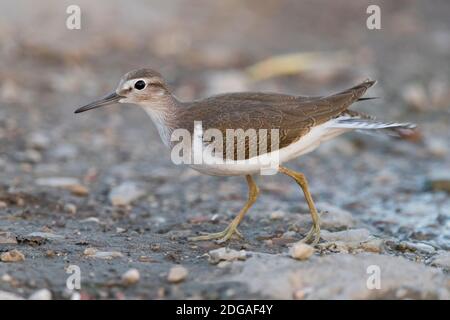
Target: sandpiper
302 122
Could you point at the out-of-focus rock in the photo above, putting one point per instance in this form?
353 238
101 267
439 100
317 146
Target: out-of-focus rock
353 235
70 208
43 294
442 260
39 236
301 251
333 217
439 181
3 205
226 254
277 215
439 93
7 238
416 97
415 247
177 274
131 277
106 255
71 184
38 141
9 296
12 256
338 276
125 194
64 152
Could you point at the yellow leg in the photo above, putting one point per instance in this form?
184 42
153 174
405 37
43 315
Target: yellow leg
303 183
253 192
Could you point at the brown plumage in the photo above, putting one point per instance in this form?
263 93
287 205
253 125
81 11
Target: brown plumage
294 116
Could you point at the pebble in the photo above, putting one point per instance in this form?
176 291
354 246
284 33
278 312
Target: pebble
373 245
38 141
70 208
12 256
42 294
301 251
226 254
334 217
44 235
131 277
177 274
106 255
277 215
4 295
125 194
353 235
71 184
441 260
7 238
415 96
420 247
439 181
3 205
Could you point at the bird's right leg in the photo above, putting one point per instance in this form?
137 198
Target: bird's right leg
253 192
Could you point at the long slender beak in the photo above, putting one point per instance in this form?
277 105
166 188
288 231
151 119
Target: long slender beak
106 100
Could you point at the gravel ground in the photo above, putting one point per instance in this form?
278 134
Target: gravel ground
98 190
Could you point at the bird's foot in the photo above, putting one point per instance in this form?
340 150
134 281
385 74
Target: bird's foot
313 236
220 237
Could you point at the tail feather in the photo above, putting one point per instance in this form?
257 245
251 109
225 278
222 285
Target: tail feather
371 126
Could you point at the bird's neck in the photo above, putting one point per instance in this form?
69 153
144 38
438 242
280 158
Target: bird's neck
163 112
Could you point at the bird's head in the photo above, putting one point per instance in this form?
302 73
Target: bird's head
143 86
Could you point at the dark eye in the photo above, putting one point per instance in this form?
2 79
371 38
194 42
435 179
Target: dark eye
139 84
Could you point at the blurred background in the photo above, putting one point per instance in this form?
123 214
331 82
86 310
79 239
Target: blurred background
64 175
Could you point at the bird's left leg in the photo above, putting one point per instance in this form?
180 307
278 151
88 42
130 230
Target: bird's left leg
303 183
253 192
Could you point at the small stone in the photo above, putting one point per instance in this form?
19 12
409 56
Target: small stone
78 190
277 215
7 238
373 245
43 235
301 251
131 277
38 141
12 256
71 184
353 235
3 205
442 260
415 95
226 254
299 295
7 278
416 247
334 217
177 274
125 194
4 295
439 181
32 156
70 208
43 294
90 220
106 255
120 230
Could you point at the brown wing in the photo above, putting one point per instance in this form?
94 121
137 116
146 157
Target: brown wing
293 116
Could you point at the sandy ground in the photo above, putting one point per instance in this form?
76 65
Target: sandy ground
385 202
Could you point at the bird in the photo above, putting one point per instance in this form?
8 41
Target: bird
298 124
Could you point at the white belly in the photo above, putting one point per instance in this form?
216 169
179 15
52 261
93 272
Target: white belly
306 144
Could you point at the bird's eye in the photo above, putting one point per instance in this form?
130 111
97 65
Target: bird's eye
139 84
